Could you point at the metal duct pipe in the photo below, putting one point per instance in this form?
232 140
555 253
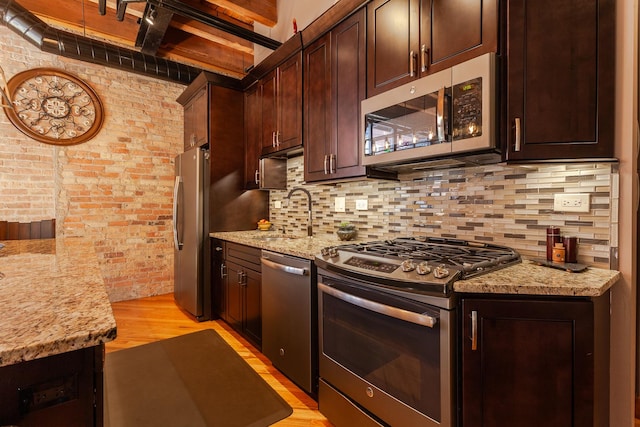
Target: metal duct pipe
69 45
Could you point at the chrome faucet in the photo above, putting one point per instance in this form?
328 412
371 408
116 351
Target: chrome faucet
309 224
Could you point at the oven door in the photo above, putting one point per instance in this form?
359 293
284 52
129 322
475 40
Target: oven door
391 356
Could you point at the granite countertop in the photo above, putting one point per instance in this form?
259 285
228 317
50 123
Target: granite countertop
526 278
300 246
52 299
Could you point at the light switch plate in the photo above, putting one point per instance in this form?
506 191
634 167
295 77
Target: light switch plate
578 202
278 204
362 205
339 204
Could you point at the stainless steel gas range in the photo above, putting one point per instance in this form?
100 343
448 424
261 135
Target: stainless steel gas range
387 328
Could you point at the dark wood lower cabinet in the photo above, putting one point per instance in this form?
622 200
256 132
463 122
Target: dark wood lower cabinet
535 362
243 287
60 390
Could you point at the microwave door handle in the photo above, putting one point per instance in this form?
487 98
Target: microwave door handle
421 319
440 115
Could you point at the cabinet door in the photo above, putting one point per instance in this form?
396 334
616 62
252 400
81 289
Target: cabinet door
560 79
348 71
528 363
289 93
393 43
252 135
317 109
453 31
334 87
268 108
235 295
218 280
196 115
253 306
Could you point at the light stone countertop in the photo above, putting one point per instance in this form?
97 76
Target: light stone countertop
300 246
52 299
526 278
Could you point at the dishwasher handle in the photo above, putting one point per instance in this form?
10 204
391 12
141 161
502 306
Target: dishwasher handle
286 268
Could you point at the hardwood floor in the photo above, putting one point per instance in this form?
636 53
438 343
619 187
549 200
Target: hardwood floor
151 319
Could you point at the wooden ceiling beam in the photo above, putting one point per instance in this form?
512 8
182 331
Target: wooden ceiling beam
262 11
212 34
198 52
84 19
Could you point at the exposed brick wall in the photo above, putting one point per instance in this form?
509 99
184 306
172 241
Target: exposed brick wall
115 189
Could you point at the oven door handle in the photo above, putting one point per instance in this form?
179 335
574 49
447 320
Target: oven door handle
397 313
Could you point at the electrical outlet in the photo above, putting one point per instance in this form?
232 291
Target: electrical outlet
362 205
278 204
339 204
578 202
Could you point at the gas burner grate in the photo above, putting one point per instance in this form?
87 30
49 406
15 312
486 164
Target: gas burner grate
472 258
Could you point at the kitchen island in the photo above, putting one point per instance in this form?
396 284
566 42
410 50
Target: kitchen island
56 317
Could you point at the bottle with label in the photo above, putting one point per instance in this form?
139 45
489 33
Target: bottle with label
553 237
558 252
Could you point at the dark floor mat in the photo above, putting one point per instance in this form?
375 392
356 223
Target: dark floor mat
193 380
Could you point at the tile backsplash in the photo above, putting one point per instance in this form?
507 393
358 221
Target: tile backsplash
504 204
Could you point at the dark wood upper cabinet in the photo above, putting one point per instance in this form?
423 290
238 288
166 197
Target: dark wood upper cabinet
535 362
409 39
196 119
334 85
252 135
219 102
560 72
281 101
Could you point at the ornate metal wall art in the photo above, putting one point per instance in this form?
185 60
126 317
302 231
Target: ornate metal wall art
54 107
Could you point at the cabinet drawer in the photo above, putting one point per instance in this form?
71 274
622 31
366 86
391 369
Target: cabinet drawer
245 256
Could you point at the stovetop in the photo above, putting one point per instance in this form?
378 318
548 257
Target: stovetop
425 265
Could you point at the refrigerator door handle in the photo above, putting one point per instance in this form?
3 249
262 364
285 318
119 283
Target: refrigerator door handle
176 194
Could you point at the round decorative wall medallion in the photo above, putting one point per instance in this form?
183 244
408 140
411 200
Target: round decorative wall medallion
54 107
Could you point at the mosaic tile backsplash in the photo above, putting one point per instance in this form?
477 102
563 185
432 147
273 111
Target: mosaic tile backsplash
502 204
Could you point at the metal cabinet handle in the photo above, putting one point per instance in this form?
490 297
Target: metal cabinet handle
193 139
273 139
422 319
325 164
241 277
256 177
412 64
440 115
332 163
424 56
277 138
223 269
474 330
518 136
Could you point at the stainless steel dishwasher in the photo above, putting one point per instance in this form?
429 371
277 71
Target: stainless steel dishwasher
289 317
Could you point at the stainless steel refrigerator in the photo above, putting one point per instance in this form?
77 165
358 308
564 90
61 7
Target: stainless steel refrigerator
191 232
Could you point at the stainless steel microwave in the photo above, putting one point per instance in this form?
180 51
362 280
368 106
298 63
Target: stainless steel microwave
445 113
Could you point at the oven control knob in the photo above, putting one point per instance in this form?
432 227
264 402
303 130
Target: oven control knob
440 272
325 251
408 265
423 268
333 252
369 392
